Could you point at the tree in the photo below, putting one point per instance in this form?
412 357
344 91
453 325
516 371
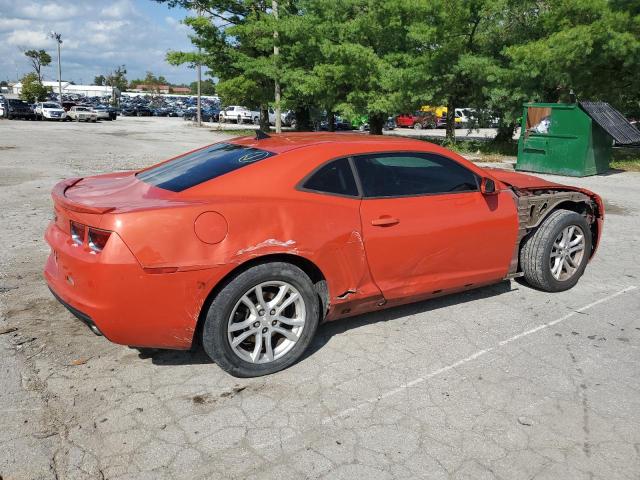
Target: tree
235 38
380 57
38 59
99 80
32 89
117 78
592 48
207 87
348 57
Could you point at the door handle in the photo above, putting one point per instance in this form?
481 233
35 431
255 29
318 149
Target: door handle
384 221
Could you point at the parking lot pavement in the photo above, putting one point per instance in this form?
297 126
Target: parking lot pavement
502 382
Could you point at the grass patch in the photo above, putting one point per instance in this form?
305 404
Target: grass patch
626 158
244 132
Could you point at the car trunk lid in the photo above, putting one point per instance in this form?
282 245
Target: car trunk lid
115 192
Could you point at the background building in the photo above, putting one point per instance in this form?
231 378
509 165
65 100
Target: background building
71 89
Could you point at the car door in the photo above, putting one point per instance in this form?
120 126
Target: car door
427 227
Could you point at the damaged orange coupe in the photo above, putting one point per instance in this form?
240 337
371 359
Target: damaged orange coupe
250 243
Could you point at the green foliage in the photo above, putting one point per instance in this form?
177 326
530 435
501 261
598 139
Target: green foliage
38 59
117 78
584 46
151 80
381 57
32 89
99 80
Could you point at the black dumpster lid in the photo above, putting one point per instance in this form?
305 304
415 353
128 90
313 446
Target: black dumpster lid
612 121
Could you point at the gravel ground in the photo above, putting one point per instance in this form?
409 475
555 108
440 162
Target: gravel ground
502 382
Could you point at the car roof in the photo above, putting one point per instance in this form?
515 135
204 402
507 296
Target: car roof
284 142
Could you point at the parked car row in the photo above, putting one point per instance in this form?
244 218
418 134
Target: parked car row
13 108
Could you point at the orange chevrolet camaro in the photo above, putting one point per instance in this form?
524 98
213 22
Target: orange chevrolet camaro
250 243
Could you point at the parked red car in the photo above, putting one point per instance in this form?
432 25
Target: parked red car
418 120
250 243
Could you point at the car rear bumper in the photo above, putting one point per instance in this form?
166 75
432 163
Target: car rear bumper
113 293
83 317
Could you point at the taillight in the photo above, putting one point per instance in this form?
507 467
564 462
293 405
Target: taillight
77 232
97 239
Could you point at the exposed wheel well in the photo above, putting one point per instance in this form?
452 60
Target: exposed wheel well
581 207
311 269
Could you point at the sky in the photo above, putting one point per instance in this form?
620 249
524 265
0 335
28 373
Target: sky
98 35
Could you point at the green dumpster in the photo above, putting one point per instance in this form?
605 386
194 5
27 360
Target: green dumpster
571 139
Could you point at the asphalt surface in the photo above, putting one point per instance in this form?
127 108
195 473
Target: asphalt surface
504 382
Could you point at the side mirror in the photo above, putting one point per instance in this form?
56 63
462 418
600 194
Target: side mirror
488 186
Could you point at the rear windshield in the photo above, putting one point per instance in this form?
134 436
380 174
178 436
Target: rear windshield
202 165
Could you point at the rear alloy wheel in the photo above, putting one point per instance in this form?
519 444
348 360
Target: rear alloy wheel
555 256
417 126
262 321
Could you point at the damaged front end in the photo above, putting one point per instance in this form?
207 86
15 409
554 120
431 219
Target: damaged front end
535 205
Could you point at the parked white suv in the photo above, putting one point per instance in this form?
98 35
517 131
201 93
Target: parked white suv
50 111
238 114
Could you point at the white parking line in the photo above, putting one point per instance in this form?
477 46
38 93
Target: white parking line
479 353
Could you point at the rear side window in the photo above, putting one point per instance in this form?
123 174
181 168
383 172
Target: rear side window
406 174
335 177
201 166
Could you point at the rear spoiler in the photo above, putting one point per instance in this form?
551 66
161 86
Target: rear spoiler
59 198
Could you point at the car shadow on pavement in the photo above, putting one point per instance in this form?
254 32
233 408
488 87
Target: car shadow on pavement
329 329
197 356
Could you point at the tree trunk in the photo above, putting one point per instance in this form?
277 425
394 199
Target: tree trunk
505 132
331 121
264 118
303 119
376 123
451 119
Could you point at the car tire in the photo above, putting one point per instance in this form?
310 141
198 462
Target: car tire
549 246
256 120
239 120
227 307
417 126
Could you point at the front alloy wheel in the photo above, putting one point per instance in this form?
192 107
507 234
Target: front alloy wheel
567 252
554 256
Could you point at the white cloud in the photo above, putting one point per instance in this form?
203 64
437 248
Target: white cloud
10 24
28 39
98 35
118 9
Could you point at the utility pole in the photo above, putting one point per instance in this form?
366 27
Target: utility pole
276 53
199 70
58 38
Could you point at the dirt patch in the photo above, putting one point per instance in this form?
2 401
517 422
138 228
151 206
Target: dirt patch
613 209
16 176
